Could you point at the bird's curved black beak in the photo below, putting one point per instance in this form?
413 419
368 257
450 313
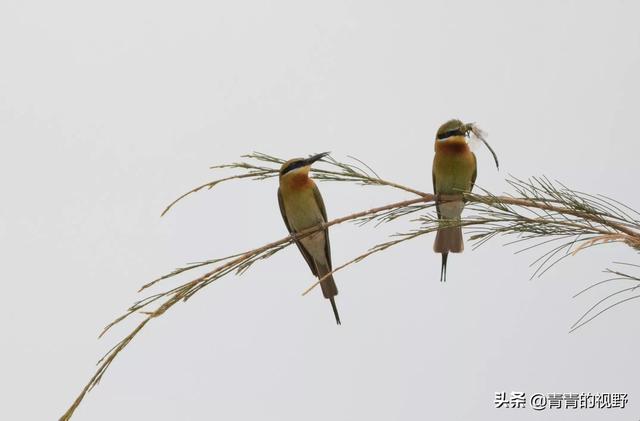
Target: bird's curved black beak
315 158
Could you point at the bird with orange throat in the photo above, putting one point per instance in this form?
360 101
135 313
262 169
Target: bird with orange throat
302 208
454 173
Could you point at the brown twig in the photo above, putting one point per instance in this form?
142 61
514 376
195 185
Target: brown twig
607 229
183 291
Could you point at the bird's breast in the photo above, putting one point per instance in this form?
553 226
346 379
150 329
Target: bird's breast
453 167
302 209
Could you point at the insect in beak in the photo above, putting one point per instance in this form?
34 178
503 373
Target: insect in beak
480 135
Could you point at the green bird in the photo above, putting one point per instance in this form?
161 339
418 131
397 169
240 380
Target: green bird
302 207
454 173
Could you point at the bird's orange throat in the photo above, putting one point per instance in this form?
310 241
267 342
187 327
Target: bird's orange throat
297 180
453 146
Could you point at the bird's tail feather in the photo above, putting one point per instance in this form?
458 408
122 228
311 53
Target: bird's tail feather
443 268
329 290
335 310
449 239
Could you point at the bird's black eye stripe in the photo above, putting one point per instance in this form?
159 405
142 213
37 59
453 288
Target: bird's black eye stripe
292 166
456 132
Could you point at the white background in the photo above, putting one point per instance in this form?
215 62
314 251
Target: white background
110 110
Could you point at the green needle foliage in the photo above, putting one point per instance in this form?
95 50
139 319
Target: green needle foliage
540 214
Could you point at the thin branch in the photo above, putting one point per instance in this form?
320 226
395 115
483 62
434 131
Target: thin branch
574 328
543 210
183 292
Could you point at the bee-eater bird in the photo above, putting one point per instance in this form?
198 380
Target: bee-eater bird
302 207
454 173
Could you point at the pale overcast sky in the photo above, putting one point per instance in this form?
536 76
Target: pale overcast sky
109 110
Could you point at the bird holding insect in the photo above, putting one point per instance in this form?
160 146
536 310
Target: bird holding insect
454 173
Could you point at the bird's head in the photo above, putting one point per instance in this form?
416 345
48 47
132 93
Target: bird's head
452 128
458 131
299 166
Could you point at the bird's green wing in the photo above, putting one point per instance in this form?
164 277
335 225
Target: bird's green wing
304 252
327 246
433 178
475 172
